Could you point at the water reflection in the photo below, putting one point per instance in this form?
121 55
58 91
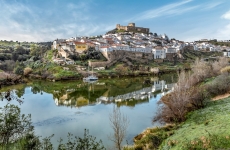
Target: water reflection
86 96
125 91
44 101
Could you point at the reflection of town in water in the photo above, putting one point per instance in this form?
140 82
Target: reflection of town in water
101 92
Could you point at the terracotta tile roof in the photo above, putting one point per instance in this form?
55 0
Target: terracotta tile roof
79 42
104 47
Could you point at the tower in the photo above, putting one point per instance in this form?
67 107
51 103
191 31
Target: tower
118 26
131 24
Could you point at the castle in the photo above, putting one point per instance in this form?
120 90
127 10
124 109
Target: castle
131 28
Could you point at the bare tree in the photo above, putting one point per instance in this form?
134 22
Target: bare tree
119 123
201 70
184 98
219 64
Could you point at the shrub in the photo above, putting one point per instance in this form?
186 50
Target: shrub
220 85
225 70
27 71
201 70
19 70
218 65
184 98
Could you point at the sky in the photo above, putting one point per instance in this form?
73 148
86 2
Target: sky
47 20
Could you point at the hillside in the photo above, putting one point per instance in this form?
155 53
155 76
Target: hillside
209 128
206 128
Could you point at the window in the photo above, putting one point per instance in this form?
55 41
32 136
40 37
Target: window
78 46
83 46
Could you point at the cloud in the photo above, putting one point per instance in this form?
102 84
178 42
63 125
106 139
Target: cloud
226 15
23 22
211 5
223 32
170 9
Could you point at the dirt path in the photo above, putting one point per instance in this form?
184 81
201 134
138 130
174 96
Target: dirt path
220 97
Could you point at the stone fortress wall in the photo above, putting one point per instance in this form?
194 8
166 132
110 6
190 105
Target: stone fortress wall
132 28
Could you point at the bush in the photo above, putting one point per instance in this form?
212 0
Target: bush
218 65
225 70
201 70
27 71
184 98
19 70
220 85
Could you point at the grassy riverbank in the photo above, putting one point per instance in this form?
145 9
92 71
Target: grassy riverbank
196 121
206 128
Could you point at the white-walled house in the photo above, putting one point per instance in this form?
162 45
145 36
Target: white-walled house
227 53
170 50
159 53
57 42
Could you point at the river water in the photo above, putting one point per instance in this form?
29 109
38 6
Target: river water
60 108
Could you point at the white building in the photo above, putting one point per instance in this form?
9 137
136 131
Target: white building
227 54
159 53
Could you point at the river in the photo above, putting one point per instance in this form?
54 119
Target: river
66 107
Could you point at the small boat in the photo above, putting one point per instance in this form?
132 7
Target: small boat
91 78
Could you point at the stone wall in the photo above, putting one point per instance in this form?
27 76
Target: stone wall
170 56
125 57
159 60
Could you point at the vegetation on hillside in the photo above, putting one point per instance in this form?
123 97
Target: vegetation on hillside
192 92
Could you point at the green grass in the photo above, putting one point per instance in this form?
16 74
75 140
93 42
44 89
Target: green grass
206 128
212 122
50 54
65 73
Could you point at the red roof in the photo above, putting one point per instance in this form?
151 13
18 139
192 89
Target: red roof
79 42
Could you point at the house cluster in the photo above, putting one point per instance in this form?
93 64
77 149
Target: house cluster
206 45
159 46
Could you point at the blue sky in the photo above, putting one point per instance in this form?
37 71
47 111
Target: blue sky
46 20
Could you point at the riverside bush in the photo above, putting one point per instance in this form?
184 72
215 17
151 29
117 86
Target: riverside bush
27 71
184 98
225 70
188 94
220 85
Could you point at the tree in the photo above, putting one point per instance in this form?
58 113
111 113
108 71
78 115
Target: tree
119 123
14 56
13 125
19 70
88 142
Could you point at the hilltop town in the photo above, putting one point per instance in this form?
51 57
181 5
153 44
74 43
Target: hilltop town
129 44
124 51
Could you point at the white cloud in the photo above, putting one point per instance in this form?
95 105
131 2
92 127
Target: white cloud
169 9
211 5
223 33
226 15
30 23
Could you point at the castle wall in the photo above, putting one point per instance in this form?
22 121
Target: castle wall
131 28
